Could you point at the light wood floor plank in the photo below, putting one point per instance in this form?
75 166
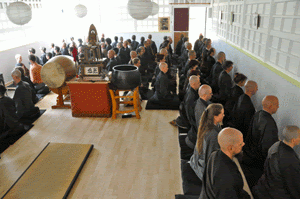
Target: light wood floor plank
131 158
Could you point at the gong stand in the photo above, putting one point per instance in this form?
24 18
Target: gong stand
60 100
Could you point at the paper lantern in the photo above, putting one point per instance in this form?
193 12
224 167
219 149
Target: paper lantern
155 9
139 9
19 13
80 11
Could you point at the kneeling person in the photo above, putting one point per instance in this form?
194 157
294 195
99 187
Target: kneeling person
35 76
23 97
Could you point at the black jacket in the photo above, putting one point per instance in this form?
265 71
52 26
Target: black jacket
263 133
134 45
281 174
43 59
114 44
243 112
215 73
236 92
178 47
222 179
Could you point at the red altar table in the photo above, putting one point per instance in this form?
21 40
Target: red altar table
90 99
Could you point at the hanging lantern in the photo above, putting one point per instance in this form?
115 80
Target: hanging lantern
139 9
80 11
19 13
155 9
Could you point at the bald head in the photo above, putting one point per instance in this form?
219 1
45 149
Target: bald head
163 67
164 51
230 141
111 54
270 104
205 92
251 87
133 54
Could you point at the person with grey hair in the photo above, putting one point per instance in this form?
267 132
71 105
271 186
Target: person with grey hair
9 122
281 169
222 178
23 97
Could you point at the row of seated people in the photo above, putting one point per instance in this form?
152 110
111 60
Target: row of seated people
17 111
259 129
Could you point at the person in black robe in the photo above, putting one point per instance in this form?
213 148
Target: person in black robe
43 58
152 44
179 45
189 103
263 133
57 51
108 44
215 72
198 43
124 53
19 63
111 60
208 63
142 42
165 40
9 123
23 97
115 43
31 51
133 55
244 110
144 65
52 49
163 94
236 91
225 83
281 169
222 178
184 44
64 50
134 43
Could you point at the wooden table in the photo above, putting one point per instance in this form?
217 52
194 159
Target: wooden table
90 99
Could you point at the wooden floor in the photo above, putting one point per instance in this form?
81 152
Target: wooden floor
131 158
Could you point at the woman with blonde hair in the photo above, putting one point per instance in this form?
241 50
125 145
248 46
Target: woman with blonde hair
207 137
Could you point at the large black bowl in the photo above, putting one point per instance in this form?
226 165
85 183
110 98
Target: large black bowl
126 77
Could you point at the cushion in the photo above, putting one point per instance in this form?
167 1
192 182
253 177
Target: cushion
191 184
179 196
185 151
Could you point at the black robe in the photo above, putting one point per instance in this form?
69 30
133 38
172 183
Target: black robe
114 44
215 73
134 45
190 99
236 92
43 59
162 91
111 63
281 174
222 179
225 85
124 54
178 47
8 113
243 112
262 134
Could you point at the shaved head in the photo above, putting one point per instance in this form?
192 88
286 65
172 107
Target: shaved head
229 136
251 86
162 65
163 51
269 100
205 92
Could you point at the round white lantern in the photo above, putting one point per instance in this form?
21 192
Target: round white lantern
139 9
80 11
155 9
19 13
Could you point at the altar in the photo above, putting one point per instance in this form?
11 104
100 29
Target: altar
90 99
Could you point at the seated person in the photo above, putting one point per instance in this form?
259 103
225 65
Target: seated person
215 72
111 60
189 101
209 62
48 56
207 137
163 94
192 65
205 94
9 125
19 63
23 97
140 55
225 83
124 53
222 178
108 44
31 51
57 51
133 55
244 110
26 79
281 169
262 134
35 76
43 56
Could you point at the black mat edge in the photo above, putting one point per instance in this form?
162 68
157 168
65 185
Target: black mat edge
25 171
78 172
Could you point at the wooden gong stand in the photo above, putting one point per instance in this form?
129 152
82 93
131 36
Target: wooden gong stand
64 90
